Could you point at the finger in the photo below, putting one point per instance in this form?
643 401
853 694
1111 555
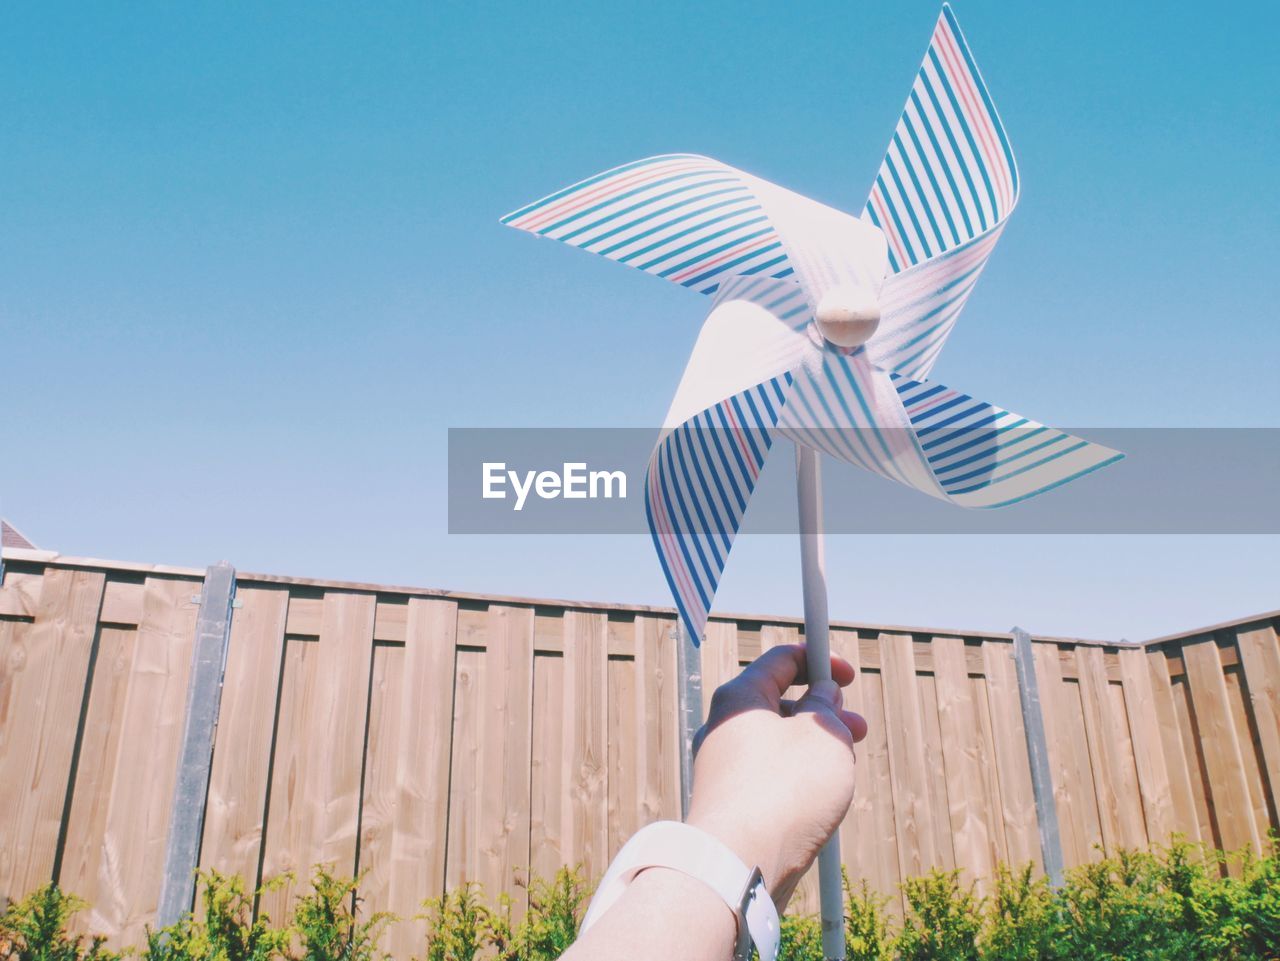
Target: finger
770 674
823 700
856 724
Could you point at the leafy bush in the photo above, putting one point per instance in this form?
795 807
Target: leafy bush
866 926
35 929
459 926
326 922
1176 903
1021 918
942 919
227 931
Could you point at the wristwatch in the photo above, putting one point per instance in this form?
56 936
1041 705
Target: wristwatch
680 847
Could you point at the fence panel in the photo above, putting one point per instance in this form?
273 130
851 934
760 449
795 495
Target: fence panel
431 739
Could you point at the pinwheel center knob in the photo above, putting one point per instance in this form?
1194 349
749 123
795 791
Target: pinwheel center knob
848 315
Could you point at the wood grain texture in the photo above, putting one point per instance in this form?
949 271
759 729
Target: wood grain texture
1260 658
405 803
1148 747
1017 797
502 797
1165 712
904 725
585 830
234 816
1228 789
131 859
45 670
1100 729
316 783
963 761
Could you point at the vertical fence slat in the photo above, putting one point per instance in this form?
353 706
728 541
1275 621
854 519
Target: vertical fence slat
586 751
505 750
1017 799
968 806
46 668
657 683
1099 730
1260 657
904 724
1181 801
1145 731
233 827
95 775
132 859
624 770
1228 789
316 783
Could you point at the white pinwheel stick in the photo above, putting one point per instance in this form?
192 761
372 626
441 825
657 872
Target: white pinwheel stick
818 661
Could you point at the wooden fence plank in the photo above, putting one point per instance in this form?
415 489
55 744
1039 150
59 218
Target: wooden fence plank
132 858
1072 782
881 827
46 669
1182 803
1190 732
935 777
656 707
586 750
462 858
233 827
1017 797
1250 749
506 749
547 772
904 723
1228 789
405 803
984 737
719 659
855 840
968 806
1132 826
1148 748
316 784
624 772
1099 730
1260 658
95 775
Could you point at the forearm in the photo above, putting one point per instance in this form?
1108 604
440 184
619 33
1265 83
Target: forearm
662 916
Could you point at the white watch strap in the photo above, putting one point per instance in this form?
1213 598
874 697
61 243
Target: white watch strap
669 844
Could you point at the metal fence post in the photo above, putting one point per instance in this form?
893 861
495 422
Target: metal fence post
689 698
1038 754
191 788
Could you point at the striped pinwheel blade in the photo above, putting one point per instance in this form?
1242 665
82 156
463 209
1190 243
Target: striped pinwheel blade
942 196
695 221
928 436
984 456
709 455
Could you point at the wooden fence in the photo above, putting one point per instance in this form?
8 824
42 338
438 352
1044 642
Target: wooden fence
430 738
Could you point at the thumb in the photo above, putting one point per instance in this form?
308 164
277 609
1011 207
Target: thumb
822 696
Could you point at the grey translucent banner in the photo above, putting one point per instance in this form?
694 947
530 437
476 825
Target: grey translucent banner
592 481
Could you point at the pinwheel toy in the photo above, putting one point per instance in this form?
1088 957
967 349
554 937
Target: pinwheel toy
823 328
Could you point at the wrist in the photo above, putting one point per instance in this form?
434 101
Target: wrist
751 843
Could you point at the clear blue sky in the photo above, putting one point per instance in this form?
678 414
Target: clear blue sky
251 270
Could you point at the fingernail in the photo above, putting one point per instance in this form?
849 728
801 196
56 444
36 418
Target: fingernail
828 691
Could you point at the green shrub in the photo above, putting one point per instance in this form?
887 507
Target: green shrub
1175 903
866 926
35 929
459 926
942 919
326 922
227 931
1021 922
